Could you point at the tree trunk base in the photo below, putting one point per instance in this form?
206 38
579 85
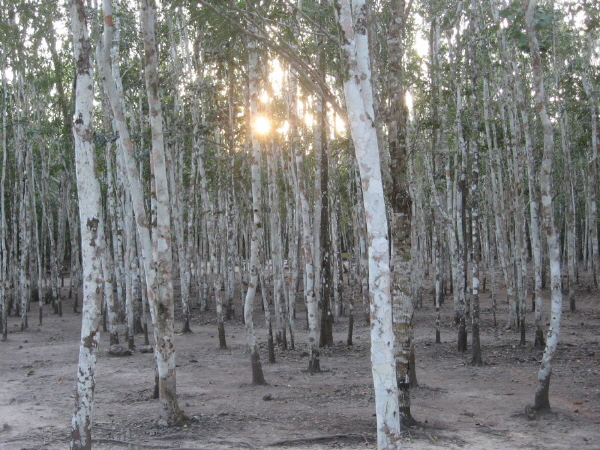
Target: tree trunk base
462 336
222 339
156 393
350 329
572 304
186 326
406 418
104 321
476 359
131 343
326 336
412 370
407 421
542 398
258 377
271 348
314 363
137 325
540 341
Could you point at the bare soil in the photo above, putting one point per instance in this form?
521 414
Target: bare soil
456 405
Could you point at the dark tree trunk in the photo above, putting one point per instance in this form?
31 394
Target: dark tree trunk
350 327
314 362
258 377
271 345
222 340
186 324
326 337
462 335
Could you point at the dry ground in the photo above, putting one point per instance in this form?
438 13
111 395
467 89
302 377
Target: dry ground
457 405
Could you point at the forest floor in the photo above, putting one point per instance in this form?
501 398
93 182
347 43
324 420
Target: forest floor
456 405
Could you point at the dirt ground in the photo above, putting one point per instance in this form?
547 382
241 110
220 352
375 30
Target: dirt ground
456 405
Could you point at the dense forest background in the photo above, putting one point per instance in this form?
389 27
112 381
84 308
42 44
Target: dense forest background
258 152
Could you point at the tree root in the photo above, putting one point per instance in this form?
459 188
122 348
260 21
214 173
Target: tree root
309 440
162 447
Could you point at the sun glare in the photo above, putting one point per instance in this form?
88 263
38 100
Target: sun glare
264 97
409 101
262 125
340 125
309 119
276 76
284 128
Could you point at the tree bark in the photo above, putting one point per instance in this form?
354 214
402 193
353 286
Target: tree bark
542 400
170 412
359 103
92 230
255 240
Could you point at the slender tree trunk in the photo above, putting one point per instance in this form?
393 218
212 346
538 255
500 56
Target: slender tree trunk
3 227
305 231
161 237
255 240
542 400
231 204
92 230
592 172
438 279
475 223
570 227
326 283
534 224
359 103
460 226
398 196
158 276
279 304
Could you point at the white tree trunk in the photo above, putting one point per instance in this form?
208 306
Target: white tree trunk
359 103
161 236
542 401
534 222
156 255
255 238
3 227
92 230
592 172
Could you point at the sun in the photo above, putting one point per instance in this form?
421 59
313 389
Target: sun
262 125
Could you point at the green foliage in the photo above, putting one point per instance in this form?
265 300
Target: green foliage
544 19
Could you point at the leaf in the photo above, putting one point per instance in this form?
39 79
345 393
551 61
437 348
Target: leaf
543 20
31 372
507 13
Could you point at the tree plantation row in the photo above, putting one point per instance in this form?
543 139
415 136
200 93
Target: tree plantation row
300 148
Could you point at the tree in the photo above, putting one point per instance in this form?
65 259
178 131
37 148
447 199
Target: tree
92 229
542 401
156 254
163 317
398 196
255 173
361 120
